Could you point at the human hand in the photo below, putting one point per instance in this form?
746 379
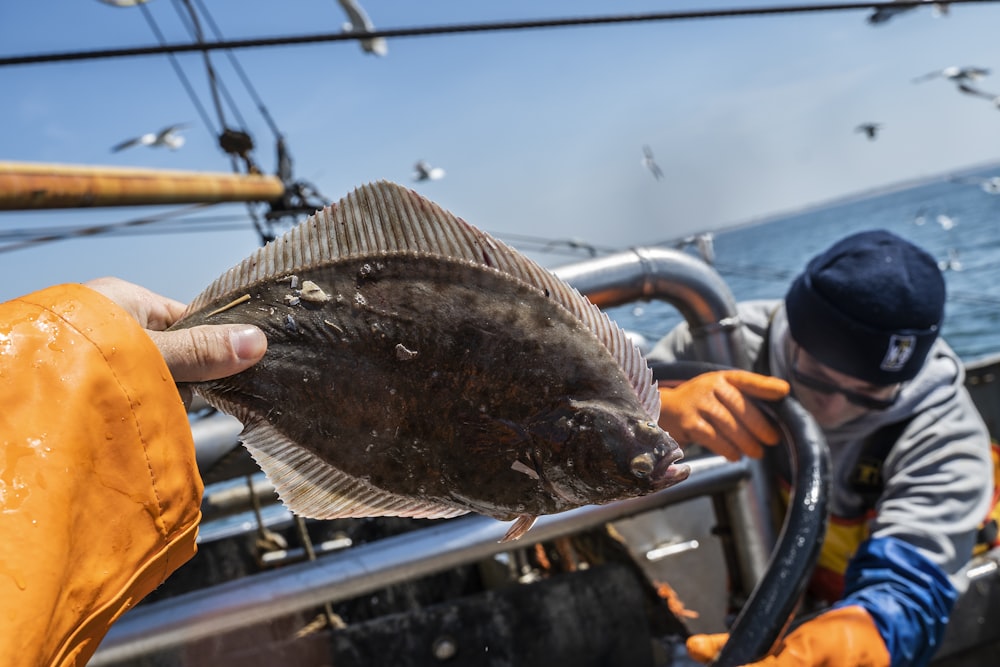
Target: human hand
206 352
714 409
843 637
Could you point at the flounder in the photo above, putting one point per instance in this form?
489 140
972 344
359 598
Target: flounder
418 367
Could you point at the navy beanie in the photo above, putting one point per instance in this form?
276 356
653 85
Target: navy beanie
870 307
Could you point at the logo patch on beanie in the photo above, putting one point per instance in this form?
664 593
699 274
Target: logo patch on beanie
898 353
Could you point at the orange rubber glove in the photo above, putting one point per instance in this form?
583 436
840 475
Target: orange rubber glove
843 637
713 409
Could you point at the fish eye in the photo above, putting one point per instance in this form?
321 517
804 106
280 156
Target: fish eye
642 465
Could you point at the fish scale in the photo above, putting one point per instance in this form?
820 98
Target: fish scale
418 367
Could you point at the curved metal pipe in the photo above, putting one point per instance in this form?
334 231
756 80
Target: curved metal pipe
368 567
690 285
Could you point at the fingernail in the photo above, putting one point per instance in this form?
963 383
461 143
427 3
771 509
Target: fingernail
248 342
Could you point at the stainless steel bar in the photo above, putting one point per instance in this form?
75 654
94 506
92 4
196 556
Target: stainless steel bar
373 566
690 285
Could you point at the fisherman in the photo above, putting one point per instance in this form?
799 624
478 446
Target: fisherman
99 489
856 342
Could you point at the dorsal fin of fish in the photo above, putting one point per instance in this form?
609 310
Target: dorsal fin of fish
311 487
386 218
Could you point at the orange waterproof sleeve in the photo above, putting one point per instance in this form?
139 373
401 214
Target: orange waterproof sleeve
99 490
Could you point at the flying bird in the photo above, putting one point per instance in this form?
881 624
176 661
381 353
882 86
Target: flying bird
360 23
955 73
168 137
953 263
884 14
989 185
425 172
946 221
650 163
870 129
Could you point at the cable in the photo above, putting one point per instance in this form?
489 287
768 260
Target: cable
462 28
190 20
185 82
96 230
240 72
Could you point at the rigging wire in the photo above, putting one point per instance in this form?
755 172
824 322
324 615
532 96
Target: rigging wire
94 230
166 225
215 85
500 26
236 143
185 82
240 72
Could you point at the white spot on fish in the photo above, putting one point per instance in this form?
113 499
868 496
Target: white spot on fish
403 353
313 293
359 299
517 466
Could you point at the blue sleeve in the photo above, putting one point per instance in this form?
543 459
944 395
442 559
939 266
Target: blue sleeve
908 596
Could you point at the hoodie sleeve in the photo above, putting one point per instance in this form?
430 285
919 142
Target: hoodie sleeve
99 489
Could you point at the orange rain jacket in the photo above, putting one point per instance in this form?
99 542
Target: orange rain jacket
99 491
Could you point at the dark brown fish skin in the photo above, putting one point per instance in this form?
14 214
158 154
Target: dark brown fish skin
429 378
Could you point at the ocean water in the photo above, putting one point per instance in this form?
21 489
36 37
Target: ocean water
955 218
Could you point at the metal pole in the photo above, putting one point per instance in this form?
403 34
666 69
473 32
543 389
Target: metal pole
370 567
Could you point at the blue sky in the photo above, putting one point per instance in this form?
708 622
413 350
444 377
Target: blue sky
540 131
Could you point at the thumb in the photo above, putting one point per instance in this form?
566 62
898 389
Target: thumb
209 352
704 648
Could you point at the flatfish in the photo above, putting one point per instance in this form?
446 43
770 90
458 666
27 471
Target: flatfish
418 367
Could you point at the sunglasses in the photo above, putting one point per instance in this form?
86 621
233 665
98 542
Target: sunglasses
824 387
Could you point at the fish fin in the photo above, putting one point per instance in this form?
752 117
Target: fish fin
311 487
521 525
387 218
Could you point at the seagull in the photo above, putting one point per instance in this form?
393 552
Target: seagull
360 23
650 163
166 137
870 129
953 263
946 221
955 73
424 172
883 14
989 185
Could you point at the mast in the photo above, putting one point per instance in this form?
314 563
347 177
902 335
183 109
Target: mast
33 186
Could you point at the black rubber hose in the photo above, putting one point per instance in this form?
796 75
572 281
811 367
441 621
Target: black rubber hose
766 613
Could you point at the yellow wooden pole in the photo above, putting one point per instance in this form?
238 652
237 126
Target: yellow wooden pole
30 186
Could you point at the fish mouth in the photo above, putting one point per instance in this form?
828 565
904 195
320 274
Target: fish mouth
667 472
